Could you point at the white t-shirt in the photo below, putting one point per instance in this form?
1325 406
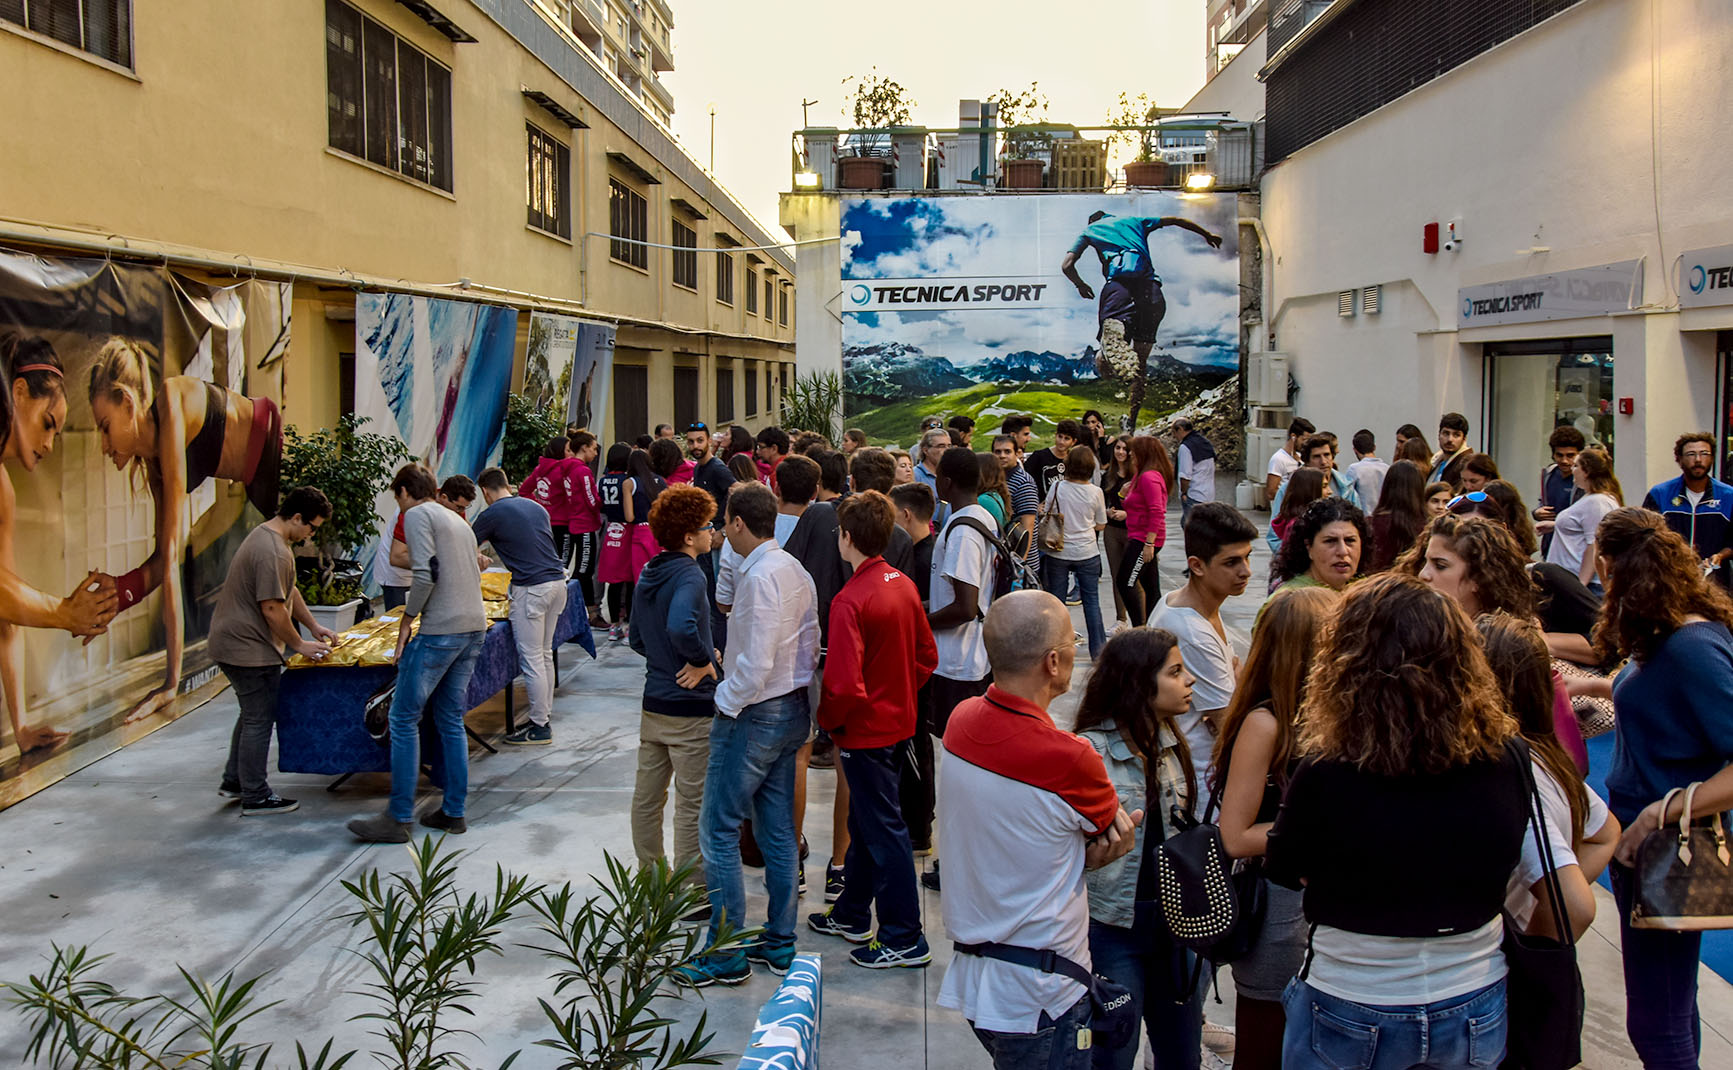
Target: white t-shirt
1574 530
962 554
1695 497
1394 971
1210 659
1517 899
1200 476
729 563
1283 463
1083 507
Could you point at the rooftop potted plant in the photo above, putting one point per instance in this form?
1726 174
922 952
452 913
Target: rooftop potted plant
876 104
1145 168
353 467
1021 116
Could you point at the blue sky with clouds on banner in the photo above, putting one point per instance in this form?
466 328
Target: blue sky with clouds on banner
939 240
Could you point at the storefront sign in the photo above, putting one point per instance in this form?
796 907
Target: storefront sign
1706 277
1594 291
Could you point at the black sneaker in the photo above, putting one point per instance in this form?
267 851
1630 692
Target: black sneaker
229 789
380 829
800 884
530 735
437 818
930 879
274 804
832 883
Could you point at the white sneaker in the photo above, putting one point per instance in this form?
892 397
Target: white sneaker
1218 1038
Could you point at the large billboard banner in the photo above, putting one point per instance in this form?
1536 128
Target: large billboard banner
1049 305
142 438
566 366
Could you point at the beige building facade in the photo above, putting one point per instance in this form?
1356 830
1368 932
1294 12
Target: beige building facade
465 149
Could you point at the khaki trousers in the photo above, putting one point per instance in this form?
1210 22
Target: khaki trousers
676 749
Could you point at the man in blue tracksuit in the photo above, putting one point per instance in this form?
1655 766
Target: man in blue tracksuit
1699 508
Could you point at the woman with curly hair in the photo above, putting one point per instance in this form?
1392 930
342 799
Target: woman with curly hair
1400 515
1672 730
1129 712
1405 730
1254 756
1325 546
1500 500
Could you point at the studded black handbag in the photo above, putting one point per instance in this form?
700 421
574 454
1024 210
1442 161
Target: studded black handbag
1684 873
1209 903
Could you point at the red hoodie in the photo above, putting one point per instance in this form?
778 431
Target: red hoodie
546 486
876 620
583 508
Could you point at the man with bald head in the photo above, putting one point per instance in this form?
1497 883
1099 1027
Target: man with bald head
1024 809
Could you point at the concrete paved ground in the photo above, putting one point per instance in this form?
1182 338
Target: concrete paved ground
137 856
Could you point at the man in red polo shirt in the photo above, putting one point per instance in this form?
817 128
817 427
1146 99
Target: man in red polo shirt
1024 809
881 651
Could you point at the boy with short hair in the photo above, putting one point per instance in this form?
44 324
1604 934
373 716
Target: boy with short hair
1368 470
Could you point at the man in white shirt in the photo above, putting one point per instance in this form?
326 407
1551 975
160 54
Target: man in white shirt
762 720
1368 470
1196 459
1218 563
1285 460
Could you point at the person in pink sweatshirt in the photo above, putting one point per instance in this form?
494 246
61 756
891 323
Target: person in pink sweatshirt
583 516
1145 507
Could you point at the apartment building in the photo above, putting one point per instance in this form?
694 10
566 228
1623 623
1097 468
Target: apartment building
465 149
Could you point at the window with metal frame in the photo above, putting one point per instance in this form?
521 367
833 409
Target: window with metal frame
629 225
752 293
386 101
547 170
769 292
102 28
725 276
782 307
685 257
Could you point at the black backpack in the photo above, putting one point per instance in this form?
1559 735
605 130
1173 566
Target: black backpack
1008 567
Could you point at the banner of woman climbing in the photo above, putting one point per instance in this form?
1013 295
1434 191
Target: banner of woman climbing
434 373
141 436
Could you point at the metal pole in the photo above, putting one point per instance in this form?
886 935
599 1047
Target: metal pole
712 139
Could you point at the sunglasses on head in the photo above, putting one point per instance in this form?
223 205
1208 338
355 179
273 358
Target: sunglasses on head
1472 496
698 427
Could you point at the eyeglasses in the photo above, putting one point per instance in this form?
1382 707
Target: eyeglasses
1476 496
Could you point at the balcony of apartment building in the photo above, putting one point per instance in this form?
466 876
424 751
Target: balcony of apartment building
1234 27
587 19
1189 152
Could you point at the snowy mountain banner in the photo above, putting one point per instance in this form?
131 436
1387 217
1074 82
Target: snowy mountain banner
1047 305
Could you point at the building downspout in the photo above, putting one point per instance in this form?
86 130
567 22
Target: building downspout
1268 285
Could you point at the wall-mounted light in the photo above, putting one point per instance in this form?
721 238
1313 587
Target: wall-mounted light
806 180
1198 181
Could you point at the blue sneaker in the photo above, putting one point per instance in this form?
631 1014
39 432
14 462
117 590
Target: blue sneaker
829 926
877 956
776 958
714 970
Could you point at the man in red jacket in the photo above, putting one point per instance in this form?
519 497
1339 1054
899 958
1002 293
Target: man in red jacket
881 651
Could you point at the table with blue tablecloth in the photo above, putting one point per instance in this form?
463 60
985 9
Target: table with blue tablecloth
319 710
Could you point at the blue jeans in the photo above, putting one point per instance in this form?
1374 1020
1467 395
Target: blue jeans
1155 972
1058 573
751 773
432 680
880 866
1462 1031
1660 986
1053 1046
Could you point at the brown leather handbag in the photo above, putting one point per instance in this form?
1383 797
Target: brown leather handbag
1684 874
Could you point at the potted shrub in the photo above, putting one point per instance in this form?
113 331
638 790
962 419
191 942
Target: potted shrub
1027 142
875 105
353 467
1145 168
528 430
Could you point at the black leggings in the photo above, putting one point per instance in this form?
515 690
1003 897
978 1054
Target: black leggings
619 601
1138 581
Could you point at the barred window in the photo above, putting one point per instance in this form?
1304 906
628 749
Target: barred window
628 219
547 169
101 27
385 100
725 277
686 256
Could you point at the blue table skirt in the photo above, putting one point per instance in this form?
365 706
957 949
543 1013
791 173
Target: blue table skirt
319 727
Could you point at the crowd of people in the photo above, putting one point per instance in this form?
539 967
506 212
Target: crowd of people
1433 651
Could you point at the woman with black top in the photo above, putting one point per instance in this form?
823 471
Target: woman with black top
1254 757
619 514
1673 730
1400 515
1139 687
1117 471
1403 824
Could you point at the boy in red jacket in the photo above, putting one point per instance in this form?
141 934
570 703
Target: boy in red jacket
876 621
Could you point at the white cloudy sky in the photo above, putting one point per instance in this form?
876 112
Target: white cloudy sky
756 63
972 237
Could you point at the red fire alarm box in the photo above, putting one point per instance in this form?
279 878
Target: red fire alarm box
1429 238
1627 406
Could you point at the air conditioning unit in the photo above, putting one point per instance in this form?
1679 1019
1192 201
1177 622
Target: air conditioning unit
1267 379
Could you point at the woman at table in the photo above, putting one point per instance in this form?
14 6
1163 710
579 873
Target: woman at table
32 414
176 438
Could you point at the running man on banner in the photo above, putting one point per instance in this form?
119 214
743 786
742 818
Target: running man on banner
32 415
177 436
1132 305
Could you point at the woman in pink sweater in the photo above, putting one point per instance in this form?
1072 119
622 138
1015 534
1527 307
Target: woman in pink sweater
1145 527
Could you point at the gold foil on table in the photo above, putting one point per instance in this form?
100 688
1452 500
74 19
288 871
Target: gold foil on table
373 641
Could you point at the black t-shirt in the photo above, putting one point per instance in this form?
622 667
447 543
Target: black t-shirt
1044 466
921 566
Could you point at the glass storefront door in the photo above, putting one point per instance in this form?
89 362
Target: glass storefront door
1724 361
1537 386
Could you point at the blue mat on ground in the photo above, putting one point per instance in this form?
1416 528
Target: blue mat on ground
1717 946
786 1034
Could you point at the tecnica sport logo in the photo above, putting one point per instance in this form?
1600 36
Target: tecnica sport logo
860 295
1467 307
1699 279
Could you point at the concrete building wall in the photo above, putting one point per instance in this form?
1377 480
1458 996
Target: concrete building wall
1235 89
1594 137
215 145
